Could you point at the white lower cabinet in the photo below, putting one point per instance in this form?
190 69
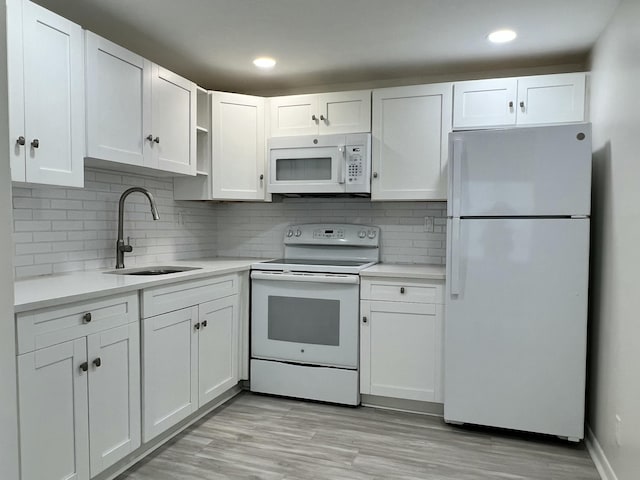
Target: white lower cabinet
79 389
401 337
170 366
190 354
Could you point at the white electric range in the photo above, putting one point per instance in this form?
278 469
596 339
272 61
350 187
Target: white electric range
305 313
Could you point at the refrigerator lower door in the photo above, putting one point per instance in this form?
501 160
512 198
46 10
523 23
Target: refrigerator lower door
516 326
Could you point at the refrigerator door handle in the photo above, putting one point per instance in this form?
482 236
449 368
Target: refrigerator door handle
456 180
455 256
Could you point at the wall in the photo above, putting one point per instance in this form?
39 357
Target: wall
60 230
8 394
257 229
615 328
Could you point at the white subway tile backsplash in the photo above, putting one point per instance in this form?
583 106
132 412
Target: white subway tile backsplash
59 230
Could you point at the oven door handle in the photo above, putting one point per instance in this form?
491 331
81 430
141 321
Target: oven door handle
306 277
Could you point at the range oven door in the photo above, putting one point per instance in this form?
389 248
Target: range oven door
305 318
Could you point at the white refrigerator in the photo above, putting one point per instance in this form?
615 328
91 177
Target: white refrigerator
517 278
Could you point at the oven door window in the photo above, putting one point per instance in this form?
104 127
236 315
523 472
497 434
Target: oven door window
304 320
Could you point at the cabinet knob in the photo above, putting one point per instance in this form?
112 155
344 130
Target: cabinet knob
521 104
375 174
510 104
84 366
314 118
204 324
197 326
21 141
35 143
364 320
157 139
401 289
86 318
97 362
149 137
261 176
322 117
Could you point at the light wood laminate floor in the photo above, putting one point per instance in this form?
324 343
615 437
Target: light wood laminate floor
260 437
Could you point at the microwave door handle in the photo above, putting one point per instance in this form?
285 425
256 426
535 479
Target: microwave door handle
342 165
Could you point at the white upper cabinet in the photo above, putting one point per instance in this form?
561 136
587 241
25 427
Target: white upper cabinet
551 99
138 113
46 96
234 170
481 103
118 102
321 114
238 147
410 142
519 101
173 117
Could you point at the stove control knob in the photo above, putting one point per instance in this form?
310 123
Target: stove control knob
362 234
290 233
372 234
298 233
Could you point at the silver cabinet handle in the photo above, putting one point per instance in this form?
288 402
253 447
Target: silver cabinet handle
375 174
35 143
21 141
157 139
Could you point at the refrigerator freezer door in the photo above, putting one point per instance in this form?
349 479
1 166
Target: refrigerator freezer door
535 171
515 334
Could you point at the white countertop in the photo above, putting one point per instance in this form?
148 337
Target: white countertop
50 290
429 272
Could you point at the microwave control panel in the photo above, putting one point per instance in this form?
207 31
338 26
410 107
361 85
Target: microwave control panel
356 166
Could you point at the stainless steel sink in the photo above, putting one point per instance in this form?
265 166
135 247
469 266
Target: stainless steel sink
155 270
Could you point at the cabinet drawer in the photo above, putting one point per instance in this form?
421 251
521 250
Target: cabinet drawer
50 326
175 296
399 290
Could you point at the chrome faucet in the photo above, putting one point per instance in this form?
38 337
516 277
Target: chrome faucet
121 247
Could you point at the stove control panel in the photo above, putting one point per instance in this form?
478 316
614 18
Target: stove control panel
332 234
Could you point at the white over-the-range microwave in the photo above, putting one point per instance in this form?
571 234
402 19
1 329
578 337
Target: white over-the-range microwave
320 164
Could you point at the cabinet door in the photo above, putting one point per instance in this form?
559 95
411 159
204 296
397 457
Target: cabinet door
345 112
551 99
401 350
238 147
114 395
218 347
54 438
118 102
173 122
294 115
170 370
53 99
409 142
484 103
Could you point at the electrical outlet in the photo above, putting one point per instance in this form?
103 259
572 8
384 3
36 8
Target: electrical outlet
180 218
428 224
618 430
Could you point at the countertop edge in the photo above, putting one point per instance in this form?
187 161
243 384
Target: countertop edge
415 271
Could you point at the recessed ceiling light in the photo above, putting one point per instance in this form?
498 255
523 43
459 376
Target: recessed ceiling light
264 62
502 36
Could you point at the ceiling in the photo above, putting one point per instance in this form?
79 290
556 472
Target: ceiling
316 42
